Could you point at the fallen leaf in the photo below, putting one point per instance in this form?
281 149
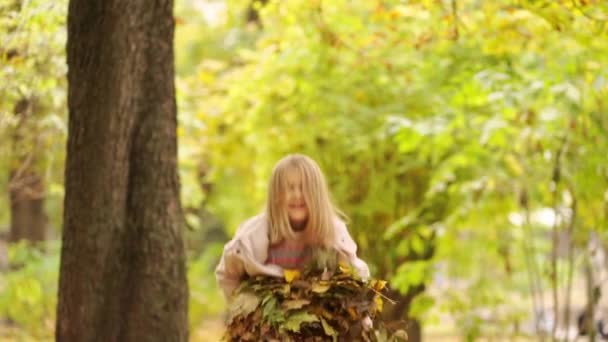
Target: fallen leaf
344 268
272 313
381 335
316 305
379 284
379 303
327 328
302 284
320 287
248 336
400 334
242 305
294 304
294 322
291 275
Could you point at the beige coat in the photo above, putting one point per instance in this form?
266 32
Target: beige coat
247 252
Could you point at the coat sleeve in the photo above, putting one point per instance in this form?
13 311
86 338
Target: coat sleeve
245 255
230 269
348 249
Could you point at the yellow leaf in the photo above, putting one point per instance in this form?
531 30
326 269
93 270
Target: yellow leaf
291 275
320 287
286 289
379 303
344 267
353 313
325 314
379 284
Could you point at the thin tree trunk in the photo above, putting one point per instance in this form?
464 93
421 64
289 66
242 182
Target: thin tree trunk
555 182
534 276
28 219
3 251
26 186
122 273
589 324
570 265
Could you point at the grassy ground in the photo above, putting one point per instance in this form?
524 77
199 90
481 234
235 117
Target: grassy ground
212 330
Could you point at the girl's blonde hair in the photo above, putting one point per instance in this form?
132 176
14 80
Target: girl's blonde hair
322 214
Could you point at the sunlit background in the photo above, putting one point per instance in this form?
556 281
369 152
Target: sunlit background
466 140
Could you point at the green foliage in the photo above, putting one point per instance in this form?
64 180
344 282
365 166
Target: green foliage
28 292
33 65
204 300
432 120
412 274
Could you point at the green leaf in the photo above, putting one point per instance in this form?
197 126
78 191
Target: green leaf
421 304
320 287
399 225
328 329
272 312
417 244
381 335
411 273
294 321
242 305
295 304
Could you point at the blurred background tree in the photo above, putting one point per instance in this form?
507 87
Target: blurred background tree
32 122
466 140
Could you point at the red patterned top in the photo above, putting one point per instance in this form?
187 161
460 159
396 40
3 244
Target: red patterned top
290 254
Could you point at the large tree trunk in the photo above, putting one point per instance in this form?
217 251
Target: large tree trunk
122 275
26 186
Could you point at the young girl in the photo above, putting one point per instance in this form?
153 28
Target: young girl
298 216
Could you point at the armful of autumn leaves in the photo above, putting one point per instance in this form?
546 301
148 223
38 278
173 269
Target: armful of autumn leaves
324 302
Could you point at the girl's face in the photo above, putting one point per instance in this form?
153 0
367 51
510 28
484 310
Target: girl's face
297 209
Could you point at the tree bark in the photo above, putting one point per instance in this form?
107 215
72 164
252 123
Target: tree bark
400 310
122 273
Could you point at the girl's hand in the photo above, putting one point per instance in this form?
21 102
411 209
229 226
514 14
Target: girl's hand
367 323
